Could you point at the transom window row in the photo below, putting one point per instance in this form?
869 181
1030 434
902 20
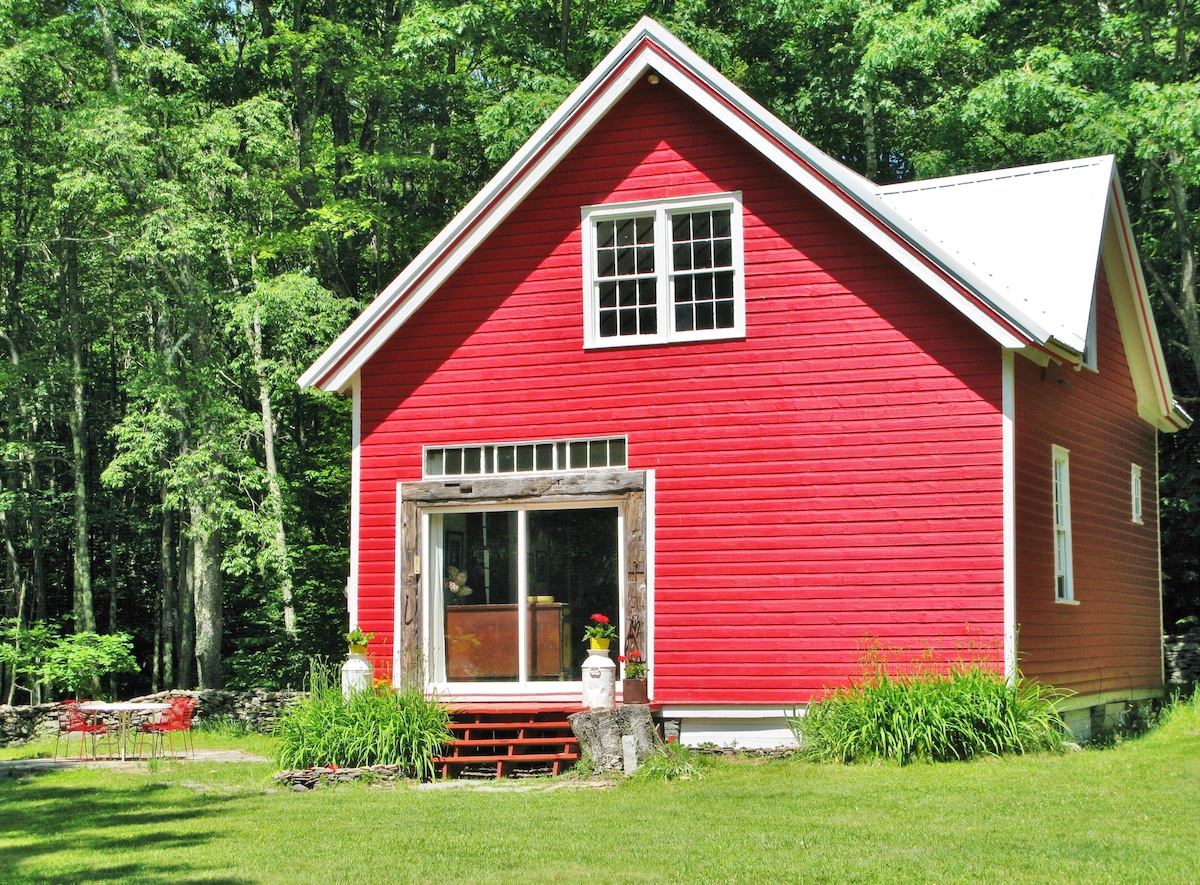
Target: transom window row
529 457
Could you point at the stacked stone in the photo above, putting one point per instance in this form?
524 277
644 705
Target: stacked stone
308 778
1182 653
19 724
257 709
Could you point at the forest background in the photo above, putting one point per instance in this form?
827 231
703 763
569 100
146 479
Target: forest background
196 196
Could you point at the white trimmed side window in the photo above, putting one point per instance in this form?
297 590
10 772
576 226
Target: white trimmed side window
1064 589
1135 492
663 271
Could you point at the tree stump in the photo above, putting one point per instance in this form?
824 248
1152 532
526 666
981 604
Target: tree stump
600 731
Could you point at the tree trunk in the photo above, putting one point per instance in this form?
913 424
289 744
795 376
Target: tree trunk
16 582
85 614
168 607
206 581
279 557
186 612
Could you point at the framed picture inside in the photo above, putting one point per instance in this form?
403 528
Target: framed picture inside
454 549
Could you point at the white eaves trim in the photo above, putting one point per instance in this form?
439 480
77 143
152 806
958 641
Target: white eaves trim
648 45
475 222
996 267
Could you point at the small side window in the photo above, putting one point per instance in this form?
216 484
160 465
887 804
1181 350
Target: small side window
1064 587
1135 492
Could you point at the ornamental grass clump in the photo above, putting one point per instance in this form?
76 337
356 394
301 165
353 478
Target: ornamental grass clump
966 713
378 726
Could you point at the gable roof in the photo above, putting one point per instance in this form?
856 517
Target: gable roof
919 225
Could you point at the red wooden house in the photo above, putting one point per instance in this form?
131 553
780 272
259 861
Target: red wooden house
677 366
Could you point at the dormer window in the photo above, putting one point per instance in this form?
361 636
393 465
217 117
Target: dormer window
663 271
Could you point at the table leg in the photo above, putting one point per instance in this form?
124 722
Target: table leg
123 720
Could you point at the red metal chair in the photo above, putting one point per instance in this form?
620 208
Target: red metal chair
177 718
73 720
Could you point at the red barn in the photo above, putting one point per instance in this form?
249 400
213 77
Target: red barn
676 366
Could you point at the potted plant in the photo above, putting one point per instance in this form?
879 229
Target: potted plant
600 632
633 684
358 641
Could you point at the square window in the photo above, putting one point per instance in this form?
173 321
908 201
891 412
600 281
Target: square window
634 254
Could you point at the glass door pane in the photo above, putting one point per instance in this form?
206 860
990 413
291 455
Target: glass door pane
480 595
571 563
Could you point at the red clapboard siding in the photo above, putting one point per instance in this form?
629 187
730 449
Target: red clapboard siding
832 478
1112 639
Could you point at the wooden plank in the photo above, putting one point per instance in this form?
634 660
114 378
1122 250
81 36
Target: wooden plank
409 614
1111 639
521 488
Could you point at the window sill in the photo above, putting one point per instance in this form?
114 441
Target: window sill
1066 602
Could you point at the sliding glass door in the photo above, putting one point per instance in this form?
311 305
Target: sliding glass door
513 588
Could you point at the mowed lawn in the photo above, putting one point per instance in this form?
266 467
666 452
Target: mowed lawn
1124 815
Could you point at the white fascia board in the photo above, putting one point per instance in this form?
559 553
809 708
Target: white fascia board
1139 332
649 45
355 501
1008 434
832 183
535 159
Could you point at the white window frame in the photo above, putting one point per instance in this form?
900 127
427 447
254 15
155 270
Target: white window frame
432 602
662 210
1135 493
1060 483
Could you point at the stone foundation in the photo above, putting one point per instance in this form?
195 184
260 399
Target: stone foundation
257 710
1182 656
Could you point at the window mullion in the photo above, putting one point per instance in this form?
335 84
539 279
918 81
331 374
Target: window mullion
522 595
662 262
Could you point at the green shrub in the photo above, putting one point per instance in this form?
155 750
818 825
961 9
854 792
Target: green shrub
375 727
966 713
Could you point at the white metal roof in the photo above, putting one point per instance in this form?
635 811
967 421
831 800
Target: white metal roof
1033 232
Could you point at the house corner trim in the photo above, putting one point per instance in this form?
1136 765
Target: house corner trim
1009 482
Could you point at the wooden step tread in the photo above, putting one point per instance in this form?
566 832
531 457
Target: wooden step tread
512 708
514 742
510 726
518 759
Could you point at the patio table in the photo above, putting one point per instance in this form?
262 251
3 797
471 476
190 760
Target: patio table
124 711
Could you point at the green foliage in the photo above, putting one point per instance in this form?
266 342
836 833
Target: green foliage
78 660
23 649
73 662
933 718
372 727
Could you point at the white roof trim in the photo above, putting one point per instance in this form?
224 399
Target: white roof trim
648 45
925 245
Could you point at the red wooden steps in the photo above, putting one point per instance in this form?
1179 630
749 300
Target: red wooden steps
511 737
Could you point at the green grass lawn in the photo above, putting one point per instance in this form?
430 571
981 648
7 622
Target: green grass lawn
1124 815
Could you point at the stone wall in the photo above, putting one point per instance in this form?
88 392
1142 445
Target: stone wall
1182 655
257 709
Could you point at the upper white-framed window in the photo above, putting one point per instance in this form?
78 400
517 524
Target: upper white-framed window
1064 583
1135 492
661 271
